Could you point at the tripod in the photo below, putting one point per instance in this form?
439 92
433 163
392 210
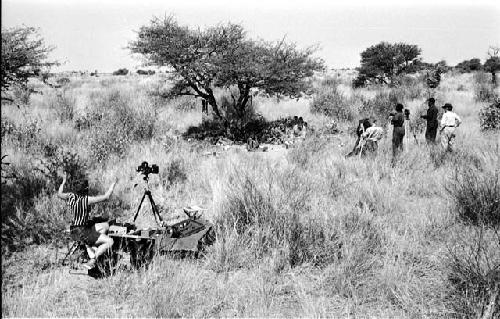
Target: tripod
147 193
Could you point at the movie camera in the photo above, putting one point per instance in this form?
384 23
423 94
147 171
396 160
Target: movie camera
145 169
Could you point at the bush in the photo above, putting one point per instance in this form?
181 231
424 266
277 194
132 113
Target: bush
123 71
116 122
25 135
489 117
410 87
330 102
381 105
63 103
473 266
476 194
484 90
19 192
176 172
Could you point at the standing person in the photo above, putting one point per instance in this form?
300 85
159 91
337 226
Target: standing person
398 132
82 229
432 121
449 122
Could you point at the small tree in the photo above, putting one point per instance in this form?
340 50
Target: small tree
222 56
469 65
492 64
383 62
24 55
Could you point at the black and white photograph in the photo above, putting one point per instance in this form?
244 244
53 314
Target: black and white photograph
250 159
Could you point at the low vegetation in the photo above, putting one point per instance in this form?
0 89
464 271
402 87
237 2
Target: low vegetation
300 232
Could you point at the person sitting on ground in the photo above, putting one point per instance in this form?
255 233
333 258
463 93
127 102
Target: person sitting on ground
370 137
449 122
252 143
82 229
303 131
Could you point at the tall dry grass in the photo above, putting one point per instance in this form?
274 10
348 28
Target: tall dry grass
300 233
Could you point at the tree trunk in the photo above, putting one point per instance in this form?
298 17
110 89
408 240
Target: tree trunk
494 78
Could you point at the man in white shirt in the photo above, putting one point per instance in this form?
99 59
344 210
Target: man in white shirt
449 122
370 139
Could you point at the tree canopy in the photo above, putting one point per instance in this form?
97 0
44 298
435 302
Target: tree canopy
383 62
492 64
223 56
469 65
24 55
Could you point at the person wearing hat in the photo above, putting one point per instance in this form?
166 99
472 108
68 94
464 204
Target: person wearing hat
449 122
432 121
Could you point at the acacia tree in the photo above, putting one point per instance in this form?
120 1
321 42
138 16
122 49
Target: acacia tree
24 55
223 56
383 62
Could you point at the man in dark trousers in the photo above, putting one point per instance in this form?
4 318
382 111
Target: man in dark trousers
432 121
398 133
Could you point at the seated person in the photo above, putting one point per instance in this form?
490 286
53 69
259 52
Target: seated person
82 229
303 131
252 144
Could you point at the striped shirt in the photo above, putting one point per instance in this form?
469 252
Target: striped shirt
80 208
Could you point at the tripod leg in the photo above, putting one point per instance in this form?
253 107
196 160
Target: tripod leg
153 207
139 208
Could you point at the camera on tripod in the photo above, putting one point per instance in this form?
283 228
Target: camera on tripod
145 169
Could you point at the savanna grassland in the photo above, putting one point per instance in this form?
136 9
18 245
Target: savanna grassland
301 232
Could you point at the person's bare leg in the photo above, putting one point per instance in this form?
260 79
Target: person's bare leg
102 228
103 243
90 251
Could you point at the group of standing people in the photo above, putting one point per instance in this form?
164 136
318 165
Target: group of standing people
449 122
369 133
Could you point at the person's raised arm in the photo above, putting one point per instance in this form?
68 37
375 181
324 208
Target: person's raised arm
60 192
102 198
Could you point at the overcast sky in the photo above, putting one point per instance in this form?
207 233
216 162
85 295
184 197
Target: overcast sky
93 34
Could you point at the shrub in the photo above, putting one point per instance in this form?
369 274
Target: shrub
484 91
63 103
476 194
63 81
330 102
123 71
25 135
116 122
473 266
489 117
410 87
19 193
381 105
